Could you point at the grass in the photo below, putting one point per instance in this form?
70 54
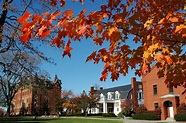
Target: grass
58 120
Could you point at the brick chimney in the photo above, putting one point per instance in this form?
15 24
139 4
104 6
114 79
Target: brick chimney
92 90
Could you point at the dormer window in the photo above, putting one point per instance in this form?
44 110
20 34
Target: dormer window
109 96
117 95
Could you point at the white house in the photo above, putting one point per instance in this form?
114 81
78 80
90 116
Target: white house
111 98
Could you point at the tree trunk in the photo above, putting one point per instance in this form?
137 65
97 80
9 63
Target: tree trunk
8 108
90 110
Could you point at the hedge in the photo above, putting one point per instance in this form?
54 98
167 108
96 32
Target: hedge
109 115
147 116
180 117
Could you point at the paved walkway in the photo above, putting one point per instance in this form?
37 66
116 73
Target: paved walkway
128 120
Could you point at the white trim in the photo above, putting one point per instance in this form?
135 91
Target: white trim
170 95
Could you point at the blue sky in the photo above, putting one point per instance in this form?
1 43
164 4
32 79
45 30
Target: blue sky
76 74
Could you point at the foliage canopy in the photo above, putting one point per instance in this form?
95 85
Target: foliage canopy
157 27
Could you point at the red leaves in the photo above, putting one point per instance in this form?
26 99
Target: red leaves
91 57
57 41
68 13
25 17
25 37
67 49
62 3
83 29
54 2
156 32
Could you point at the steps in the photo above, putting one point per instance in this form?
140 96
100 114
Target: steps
170 119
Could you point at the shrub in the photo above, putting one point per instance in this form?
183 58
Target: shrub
141 109
126 113
109 115
147 116
120 114
98 114
180 117
182 108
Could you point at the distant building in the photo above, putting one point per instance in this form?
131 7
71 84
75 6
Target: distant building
111 98
157 94
40 96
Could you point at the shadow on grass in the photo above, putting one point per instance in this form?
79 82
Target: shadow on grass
25 120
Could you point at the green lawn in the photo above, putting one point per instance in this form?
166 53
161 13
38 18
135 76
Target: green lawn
58 120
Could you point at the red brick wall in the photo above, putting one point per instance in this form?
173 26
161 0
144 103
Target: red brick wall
23 95
26 96
148 81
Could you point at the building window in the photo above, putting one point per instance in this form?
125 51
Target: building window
171 90
117 96
117 109
155 89
109 97
156 105
140 95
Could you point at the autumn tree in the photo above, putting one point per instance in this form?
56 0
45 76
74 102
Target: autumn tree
15 73
127 107
67 101
156 28
9 27
93 100
86 102
82 102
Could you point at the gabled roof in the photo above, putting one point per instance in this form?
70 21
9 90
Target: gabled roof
114 89
123 90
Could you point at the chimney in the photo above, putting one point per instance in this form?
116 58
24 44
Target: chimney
92 89
133 82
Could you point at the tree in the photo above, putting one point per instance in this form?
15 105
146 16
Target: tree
82 102
9 27
2 98
86 102
15 74
67 101
157 28
93 101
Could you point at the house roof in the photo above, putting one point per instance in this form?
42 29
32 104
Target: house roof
124 90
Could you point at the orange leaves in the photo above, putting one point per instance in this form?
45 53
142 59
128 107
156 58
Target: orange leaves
156 28
180 29
62 2
67 49
91 57
25 37
25 17
112 29
57 41
83 29
148 23
54 2
163 58
68 13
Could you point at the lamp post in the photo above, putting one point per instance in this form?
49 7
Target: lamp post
35 106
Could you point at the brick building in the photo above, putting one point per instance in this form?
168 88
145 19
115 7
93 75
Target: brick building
40 95
157 94
111 99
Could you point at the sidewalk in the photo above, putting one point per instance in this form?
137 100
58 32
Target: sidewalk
128 120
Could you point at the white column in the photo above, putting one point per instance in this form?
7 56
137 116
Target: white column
104 107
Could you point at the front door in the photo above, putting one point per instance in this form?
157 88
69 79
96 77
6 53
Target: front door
171 111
